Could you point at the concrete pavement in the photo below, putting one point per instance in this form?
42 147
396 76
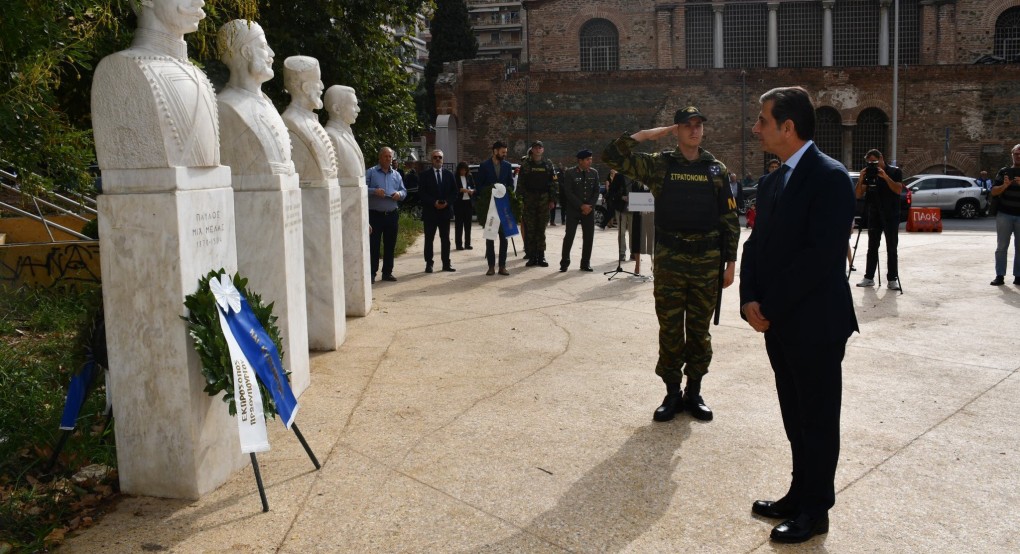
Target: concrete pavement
513 414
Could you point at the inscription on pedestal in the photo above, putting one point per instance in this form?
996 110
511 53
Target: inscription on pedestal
208 228
335 207
292 216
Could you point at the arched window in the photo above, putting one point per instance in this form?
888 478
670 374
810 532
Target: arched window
1007 34
829 132
600 49
870 133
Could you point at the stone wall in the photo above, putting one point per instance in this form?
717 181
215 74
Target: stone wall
980 104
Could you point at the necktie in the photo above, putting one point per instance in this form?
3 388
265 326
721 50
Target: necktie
781 180
780 184
439 182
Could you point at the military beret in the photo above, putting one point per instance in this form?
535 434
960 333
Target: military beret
583 154
537 143
684 114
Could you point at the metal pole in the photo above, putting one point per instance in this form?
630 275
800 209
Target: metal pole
743 124
895 79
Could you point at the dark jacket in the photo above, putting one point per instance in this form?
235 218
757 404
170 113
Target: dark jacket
430 191
579 188
793 262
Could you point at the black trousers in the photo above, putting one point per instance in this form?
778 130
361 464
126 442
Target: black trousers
462 211
490 250
587 223
883 220
434 221
384 229
809 383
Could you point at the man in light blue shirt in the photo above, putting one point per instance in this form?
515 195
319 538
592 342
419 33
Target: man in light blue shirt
385 191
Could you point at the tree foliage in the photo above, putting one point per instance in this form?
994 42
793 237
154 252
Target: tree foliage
452 40
355 47
49 50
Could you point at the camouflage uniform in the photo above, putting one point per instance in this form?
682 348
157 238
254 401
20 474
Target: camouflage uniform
686 267
537 182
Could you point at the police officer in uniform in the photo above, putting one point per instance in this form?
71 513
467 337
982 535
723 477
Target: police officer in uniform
580 192
696 229
537 181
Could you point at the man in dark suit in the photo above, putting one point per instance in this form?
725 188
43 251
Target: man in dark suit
794 290
437 192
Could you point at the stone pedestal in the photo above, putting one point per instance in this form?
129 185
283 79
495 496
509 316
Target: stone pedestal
324 272
173 440
357 269
270 253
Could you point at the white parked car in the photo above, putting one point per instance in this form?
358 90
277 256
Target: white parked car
955 194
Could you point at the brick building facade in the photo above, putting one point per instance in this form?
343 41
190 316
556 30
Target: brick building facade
599 68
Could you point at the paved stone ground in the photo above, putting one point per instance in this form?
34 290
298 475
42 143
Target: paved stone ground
513 414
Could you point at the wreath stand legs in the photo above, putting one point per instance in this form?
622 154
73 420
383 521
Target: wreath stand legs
258 474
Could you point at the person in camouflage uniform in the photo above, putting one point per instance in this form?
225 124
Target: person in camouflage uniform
537 182
696 228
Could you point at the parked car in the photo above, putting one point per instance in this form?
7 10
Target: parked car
906 200
954 194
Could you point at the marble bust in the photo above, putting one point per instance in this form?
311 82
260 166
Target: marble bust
253 137
311 149
151 107
342 105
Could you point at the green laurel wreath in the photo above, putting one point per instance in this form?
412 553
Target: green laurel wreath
211 345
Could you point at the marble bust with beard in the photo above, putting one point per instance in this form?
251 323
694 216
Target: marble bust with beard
342 104
311 149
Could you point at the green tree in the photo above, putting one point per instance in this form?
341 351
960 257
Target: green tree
452 40
355 46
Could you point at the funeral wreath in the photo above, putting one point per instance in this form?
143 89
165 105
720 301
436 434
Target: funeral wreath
211 345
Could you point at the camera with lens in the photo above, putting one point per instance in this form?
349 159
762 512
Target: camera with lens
871 174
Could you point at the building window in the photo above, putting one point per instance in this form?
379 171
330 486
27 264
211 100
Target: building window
910 33
855 29
1007 35
698 35
829 132
599 46
871 132
745 35
800 34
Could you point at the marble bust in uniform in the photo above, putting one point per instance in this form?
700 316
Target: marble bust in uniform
342 105
151 107
311 149
253 137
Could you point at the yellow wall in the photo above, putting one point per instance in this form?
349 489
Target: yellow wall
54 264
23 229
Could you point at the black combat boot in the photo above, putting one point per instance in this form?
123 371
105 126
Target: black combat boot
693 402
672 404
542 262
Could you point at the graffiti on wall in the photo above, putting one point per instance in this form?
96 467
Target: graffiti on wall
65 264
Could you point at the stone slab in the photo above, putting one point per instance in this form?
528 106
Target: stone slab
322 212
270 253
173 440
357 266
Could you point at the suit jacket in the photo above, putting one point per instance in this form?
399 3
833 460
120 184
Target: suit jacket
430 191
793 263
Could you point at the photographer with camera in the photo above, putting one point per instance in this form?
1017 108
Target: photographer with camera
1006 197
880 186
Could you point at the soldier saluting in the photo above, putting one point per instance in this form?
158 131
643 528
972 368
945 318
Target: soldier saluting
696 229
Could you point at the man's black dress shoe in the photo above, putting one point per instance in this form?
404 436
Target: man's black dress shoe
428 268
469 247
776 509
531 263
586 268
563 268
448 268
800 528
388 277
542 262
